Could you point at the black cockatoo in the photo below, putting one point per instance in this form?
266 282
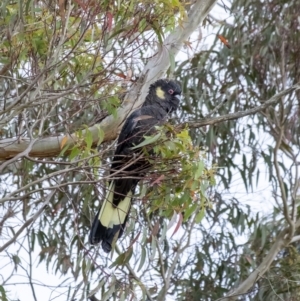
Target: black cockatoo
127 165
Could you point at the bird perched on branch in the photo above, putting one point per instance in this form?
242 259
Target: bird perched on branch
128 165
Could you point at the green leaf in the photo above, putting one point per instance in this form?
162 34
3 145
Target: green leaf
83 269
100 135
16 259
3 293
200 216
148 140
153 247
189 211
173 220
97 288
111 290
32 240
88 139
199 170
74 153
123 258
143 257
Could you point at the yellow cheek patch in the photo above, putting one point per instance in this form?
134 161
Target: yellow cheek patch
160 93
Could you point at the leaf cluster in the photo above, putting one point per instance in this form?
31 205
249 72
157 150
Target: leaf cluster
180 175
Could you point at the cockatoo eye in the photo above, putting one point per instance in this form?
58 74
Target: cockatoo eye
171 91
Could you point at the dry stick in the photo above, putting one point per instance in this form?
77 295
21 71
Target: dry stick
7 198
26 195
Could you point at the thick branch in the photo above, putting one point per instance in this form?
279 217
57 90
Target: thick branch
295 238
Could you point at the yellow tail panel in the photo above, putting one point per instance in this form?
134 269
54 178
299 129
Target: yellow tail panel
110 215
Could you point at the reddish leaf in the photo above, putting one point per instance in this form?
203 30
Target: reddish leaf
178 223
61 6
158 180
122 75
224 41
63 142
109 20
134 240
126 77
154 231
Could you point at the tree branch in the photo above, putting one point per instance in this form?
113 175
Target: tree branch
295 238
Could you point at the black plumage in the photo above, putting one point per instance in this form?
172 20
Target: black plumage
127 165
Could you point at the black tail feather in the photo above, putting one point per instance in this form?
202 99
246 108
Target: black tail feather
106 235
